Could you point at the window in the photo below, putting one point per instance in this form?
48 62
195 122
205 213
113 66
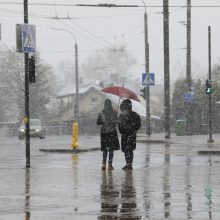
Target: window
94 99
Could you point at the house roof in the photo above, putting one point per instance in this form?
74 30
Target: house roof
96 88
70 90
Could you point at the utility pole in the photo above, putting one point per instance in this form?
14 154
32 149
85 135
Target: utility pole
210 78
188 56
188 106
166 68
77 85
147 90
26 119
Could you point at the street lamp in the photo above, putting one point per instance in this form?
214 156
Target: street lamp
76 106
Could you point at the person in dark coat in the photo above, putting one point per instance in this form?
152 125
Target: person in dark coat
109 137
128 124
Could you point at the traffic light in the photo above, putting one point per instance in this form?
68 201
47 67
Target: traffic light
31 69
143 93
208 88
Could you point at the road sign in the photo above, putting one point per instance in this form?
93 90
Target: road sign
148 79
26 38
188 96
29 38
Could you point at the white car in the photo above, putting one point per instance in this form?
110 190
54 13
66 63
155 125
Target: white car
36 129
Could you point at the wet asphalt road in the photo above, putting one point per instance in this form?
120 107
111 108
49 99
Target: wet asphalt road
169 181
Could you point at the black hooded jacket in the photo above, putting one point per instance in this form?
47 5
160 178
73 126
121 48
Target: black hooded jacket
108 119
128 124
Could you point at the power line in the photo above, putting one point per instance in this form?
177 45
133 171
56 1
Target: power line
147 6
108 5
110 51
96 17
16 12
89 51
13 12
91 34
94 40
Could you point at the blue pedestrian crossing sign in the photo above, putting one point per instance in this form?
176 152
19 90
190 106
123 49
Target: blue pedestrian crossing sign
148 79
29 38
188 96
26 38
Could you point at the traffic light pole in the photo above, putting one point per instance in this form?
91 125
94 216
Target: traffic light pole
147 90
188 105
210 95
166 68
26 119
188 43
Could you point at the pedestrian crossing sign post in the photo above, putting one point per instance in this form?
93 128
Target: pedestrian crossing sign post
148 79
26 38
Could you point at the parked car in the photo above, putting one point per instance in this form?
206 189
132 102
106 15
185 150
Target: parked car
36 129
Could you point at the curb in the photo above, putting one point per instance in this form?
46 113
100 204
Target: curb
209 152
152 141
69 150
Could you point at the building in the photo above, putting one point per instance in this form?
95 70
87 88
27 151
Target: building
91 101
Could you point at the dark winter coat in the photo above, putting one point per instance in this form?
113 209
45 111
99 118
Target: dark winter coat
128 124
109 136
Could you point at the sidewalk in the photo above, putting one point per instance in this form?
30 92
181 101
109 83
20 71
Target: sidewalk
64 145
193 139
92 143
199 143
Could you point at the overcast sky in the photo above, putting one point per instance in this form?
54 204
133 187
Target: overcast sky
97 29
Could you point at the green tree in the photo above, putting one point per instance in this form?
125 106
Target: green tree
42 90
181 88
216 82
11 80
12 86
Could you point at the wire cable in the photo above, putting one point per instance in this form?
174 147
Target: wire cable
94 40
105 42
106 5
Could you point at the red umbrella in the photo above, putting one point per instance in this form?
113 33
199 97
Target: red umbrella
121 92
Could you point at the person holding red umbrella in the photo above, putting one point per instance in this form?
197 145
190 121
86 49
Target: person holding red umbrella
128 124
109 137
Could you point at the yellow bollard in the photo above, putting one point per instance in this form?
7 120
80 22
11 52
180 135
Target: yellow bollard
25 119
75 135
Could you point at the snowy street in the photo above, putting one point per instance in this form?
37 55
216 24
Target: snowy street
169 181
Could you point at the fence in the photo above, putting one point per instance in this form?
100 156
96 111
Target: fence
86 126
